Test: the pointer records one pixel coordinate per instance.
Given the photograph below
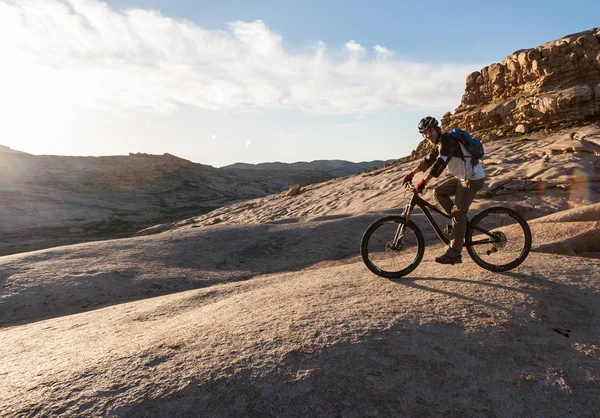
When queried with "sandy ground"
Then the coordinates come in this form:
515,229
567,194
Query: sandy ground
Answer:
270,311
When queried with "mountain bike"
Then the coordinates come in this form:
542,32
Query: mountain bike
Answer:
497,239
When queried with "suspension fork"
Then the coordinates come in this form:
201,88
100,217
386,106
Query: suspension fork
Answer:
401,227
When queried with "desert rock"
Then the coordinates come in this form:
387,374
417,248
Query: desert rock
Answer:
556,81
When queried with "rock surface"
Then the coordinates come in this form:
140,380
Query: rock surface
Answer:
281,318
532,88
517,175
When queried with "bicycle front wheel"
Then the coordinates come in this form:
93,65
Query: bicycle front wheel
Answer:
498,239
387,258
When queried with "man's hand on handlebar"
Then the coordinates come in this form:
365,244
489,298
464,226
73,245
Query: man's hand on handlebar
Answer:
420,186
408,184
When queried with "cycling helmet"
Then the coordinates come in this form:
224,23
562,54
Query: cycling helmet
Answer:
427,123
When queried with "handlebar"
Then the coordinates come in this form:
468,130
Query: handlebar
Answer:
410,186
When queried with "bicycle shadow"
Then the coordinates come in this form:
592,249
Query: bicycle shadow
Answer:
497,361
410,282
533,286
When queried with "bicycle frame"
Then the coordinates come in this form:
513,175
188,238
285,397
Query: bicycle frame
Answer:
425,206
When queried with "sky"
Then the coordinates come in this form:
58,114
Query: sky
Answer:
219,82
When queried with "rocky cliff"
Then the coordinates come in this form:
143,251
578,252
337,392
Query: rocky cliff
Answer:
533,88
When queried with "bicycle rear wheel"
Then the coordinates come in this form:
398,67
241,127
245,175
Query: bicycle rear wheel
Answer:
388,259
498,239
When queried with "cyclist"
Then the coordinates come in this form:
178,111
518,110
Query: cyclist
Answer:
467,180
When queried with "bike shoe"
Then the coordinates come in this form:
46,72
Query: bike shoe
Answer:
446,259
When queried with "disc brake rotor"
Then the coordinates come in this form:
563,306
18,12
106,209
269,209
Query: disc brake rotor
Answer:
501,241
391,247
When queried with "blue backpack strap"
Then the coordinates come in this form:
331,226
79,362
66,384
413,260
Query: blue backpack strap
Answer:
474,146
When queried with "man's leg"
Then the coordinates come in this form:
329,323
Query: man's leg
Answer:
443,192
465,193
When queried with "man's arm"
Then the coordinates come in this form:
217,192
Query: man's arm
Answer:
446,152
428,161
424,164
440,163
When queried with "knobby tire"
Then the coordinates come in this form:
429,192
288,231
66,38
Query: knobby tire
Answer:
384,261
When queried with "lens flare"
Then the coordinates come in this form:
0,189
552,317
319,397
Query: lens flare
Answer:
580,190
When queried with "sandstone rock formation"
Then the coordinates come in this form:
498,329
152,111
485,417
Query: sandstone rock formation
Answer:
557,81
517,176
6,149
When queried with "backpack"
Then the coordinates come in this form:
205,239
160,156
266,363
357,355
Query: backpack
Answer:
473,145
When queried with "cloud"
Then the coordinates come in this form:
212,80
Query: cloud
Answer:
248,143
84,53
382,52
355,50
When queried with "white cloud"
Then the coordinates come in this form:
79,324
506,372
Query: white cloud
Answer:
382,52
248,143
355,50
213,137
83,53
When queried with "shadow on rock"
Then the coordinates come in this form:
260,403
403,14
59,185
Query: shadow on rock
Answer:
411,368
87,276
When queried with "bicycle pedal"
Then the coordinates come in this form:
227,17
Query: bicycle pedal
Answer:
491,251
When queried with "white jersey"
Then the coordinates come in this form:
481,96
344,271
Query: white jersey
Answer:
462,168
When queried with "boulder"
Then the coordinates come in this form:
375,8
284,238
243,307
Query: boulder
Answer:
533,54
472,78
523,59
293,191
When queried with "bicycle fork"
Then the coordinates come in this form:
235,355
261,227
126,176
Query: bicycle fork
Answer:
402,226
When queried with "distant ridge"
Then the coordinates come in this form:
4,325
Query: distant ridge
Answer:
4,148
336,168
57,200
